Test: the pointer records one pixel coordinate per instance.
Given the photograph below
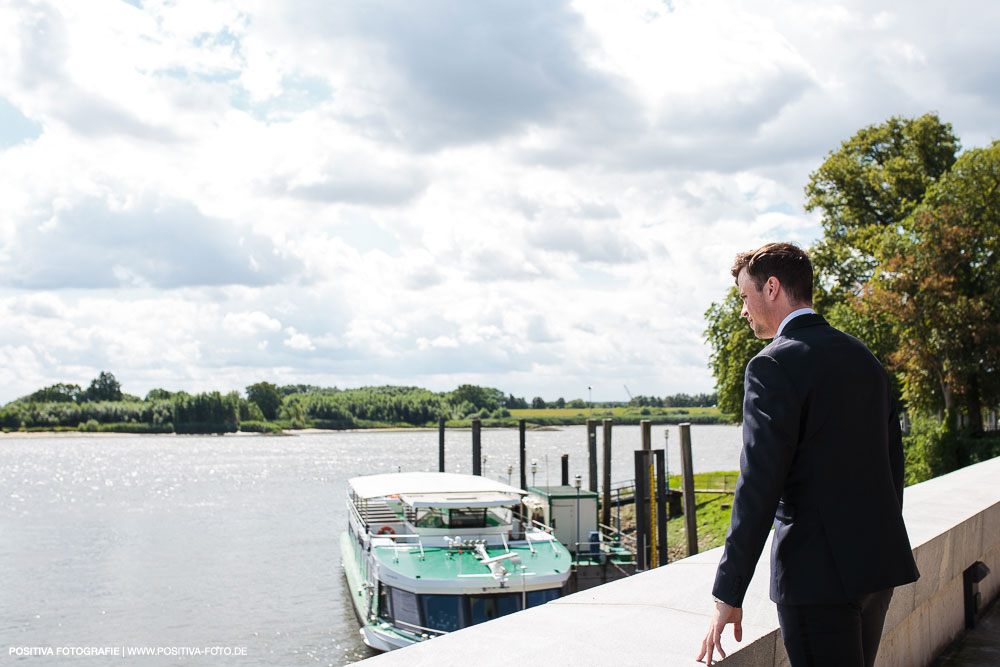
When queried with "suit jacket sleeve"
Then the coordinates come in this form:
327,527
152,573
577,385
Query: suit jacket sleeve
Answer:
771,415
896,459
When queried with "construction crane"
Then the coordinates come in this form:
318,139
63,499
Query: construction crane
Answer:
628,392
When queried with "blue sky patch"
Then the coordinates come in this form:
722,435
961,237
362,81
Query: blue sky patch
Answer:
15,127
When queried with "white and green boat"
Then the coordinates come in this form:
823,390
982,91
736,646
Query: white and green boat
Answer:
426,554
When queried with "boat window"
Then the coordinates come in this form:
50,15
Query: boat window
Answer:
499,516
442,612
430,517
383,601
467,518
536,598
404,606
487,607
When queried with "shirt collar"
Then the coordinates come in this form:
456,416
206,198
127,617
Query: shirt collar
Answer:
792,315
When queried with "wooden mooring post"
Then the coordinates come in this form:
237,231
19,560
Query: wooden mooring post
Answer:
641,495
606,481
662,513
440,444
477,446
564,480
650,509
592,454
687,486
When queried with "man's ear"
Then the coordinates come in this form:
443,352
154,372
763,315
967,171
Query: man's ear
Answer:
771,288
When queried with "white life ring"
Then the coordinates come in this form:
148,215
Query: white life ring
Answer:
386,530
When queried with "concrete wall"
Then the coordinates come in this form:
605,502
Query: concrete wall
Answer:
659,617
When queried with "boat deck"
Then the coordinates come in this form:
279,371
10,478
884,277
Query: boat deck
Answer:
462,564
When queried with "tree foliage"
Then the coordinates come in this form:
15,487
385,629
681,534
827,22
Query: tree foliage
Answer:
267,397
57,393
688,401
733,345
868,187
103,388
939,284
158,395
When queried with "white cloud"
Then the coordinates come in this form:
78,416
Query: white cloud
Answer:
249,323
298,341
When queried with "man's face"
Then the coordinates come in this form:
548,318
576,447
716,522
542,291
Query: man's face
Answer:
756,308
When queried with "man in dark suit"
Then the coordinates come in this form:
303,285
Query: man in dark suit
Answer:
823,460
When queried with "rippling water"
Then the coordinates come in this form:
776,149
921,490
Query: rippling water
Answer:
224,541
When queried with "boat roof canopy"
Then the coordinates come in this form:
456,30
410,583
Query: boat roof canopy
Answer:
437,489
482,499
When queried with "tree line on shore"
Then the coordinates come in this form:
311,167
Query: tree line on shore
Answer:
909,262
267,407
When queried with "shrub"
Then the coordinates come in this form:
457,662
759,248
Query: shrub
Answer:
255,426
90,425
134,427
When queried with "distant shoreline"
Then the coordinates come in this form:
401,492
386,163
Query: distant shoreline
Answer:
22,435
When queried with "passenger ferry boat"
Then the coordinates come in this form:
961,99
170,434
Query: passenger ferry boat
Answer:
427,553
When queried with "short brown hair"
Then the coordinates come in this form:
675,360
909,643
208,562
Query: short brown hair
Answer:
785,261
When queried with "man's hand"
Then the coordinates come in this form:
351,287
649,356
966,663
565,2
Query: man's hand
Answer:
724,614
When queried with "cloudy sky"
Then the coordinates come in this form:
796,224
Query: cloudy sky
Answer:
538,196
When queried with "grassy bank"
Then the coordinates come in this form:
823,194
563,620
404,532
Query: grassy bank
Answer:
713,510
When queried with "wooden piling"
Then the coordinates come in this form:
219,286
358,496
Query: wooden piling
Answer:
642,543
606,481
440,444
565,470
661,504
477,446
521,429
647,437
592,454
687,483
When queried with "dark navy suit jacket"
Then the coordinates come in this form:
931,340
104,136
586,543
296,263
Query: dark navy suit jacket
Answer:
823,460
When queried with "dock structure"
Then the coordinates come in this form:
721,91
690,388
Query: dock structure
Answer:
660,616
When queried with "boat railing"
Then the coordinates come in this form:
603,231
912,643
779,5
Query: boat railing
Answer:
540,526
420,628
551,541
353,509
611,534
403,536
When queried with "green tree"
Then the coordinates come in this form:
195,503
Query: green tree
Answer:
733,345
538,403
158,395
513,402
480,397
57,393
102,388
939,283
267,397
867,188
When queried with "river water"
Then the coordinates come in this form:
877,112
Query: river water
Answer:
224,544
